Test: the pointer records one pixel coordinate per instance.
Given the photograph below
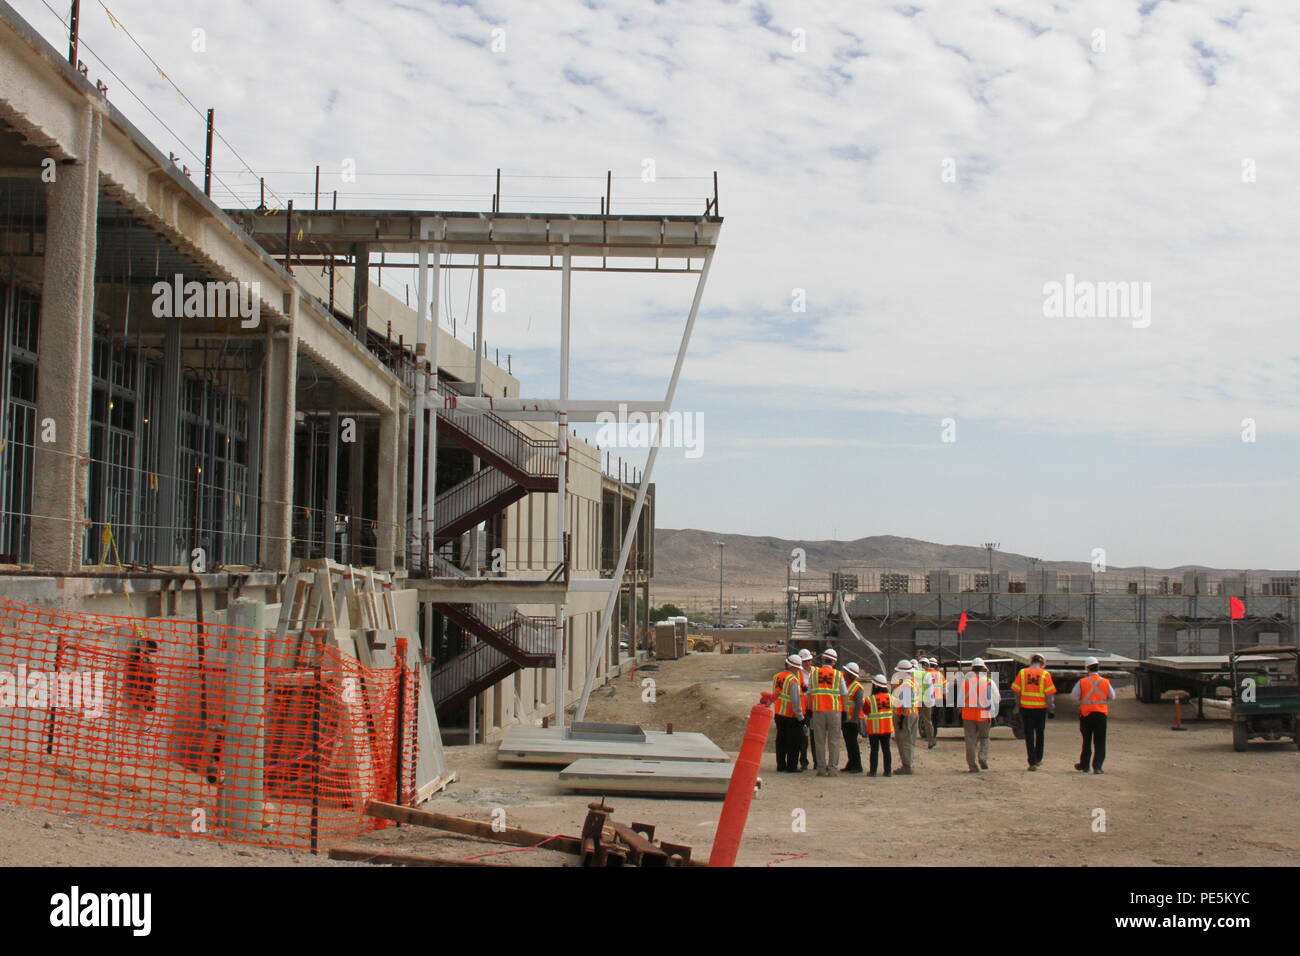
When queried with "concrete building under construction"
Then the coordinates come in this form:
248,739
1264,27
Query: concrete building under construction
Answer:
1136,615
225,394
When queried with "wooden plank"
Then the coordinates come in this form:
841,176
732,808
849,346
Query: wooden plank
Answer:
385,858
474,828
434,785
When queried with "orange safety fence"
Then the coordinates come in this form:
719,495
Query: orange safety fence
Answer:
169,726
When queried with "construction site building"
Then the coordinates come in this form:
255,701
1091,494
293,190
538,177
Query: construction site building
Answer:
225,393
1135,615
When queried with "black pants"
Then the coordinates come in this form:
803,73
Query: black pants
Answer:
1034,720
789,735
880,742
1093,728
850,728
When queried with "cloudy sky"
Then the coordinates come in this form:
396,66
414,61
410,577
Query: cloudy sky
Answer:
916,175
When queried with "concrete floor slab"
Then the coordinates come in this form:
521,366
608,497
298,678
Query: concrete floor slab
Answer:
544,745
670,778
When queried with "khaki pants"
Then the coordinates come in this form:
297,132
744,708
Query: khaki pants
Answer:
927,723
977,742
905,735
827,734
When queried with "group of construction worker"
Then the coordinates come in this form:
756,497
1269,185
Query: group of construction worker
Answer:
819,703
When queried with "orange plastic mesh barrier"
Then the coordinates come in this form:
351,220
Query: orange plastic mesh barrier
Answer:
168,726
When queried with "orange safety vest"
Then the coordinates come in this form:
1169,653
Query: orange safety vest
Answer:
1094,692
975,691
848,701
826,693
880,719
1033,684
804,684
781,686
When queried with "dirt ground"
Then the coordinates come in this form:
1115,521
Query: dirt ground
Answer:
30,837
1166,799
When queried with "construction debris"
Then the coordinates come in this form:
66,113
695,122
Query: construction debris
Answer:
606,842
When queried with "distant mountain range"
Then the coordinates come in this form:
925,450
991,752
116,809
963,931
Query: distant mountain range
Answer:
686,560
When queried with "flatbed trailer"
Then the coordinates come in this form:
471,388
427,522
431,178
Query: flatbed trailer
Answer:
1197,675
1066,664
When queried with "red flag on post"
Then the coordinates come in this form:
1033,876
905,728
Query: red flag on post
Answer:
1236,608
962,621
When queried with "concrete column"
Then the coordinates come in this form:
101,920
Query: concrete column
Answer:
167,549
361,290
403,469
390,532
332,481
281,412
356,491
256,384
66,337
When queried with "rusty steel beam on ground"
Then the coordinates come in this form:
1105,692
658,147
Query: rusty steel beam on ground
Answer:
475,828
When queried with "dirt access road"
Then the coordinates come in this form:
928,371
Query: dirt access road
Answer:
1167,798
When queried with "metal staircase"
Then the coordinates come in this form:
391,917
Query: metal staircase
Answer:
533,463
514,465
509,641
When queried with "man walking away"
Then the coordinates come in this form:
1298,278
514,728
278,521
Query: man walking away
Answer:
979,705
906,707
1094,693
855,704
880,721
805,737
828,694
787,686
1036,696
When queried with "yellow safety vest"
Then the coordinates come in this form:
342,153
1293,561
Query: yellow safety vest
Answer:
848,701
880,718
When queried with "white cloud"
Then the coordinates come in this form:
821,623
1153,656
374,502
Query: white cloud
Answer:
924,297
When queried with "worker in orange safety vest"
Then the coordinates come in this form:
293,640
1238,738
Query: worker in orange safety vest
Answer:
979,706
827,694
806,668
907,706
851,723
879,720
1094,694
1036,695
788,688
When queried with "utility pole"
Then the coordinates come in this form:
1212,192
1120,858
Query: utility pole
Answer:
721,545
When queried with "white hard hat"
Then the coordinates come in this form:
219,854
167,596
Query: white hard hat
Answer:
792,659
880,680
805,654
852,668
1091,662
930,660
915,662
904,666
978,662
831,653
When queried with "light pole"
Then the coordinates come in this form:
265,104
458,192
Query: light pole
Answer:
990,547
721,545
